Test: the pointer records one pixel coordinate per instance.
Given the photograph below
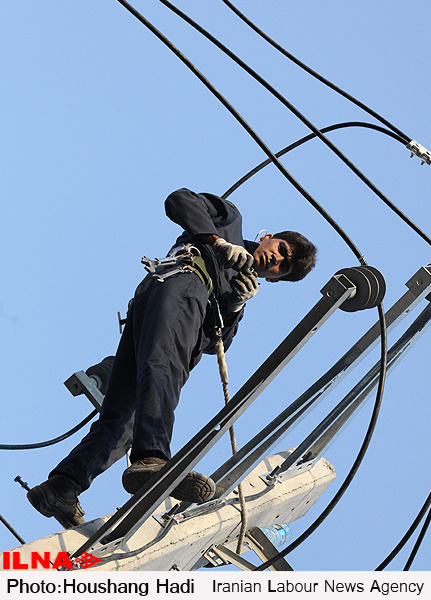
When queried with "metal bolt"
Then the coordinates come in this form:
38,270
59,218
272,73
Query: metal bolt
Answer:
22,483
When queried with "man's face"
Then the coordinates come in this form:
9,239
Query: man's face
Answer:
272,258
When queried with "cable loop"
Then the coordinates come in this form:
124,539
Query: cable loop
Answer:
53,441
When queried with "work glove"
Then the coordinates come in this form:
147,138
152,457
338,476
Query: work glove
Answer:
231,256
244,286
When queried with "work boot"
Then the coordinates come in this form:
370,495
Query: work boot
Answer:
195,487
57,498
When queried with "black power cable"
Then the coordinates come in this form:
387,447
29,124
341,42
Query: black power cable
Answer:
298,114
370,111
246,126
358,460
407,536
53,441
418,542
305,139
12,530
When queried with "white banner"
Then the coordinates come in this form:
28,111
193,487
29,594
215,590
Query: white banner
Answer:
215,585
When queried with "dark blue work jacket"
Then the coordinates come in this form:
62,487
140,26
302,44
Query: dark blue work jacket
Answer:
208,214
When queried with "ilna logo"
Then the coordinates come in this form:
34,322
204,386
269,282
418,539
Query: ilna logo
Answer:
62,561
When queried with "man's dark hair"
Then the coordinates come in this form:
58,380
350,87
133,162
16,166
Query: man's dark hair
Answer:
304,254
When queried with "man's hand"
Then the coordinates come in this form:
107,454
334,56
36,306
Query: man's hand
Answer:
244,286
231,256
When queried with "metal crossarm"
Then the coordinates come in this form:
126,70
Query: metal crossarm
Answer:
123,524
256,541
326,432
238,466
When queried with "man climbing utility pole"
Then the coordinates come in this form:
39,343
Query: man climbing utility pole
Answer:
170,323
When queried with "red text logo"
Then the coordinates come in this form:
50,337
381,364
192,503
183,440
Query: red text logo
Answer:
60,561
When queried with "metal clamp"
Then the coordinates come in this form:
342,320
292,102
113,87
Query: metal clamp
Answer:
179,257
420,151
299,467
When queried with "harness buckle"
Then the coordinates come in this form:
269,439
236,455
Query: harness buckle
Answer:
178,256
182,258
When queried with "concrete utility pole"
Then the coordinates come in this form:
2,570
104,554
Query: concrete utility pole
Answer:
150,533
204,535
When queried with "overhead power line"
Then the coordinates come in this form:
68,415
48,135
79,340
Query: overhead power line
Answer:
418,542
407,536
405,138
299,115
247,127
305,139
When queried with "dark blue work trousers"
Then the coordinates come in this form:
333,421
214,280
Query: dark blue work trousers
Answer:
162,341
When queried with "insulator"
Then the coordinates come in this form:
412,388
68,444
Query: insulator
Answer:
370,288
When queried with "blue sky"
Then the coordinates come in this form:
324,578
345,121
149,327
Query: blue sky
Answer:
100,122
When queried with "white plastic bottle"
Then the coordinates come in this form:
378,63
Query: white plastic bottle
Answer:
278,534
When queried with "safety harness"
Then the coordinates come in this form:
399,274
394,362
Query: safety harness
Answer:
182,259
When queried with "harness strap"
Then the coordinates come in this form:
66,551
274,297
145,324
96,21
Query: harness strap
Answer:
199,267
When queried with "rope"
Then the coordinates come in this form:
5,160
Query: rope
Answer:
224,377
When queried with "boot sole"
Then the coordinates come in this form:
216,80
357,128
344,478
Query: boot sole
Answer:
134,477
195,487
